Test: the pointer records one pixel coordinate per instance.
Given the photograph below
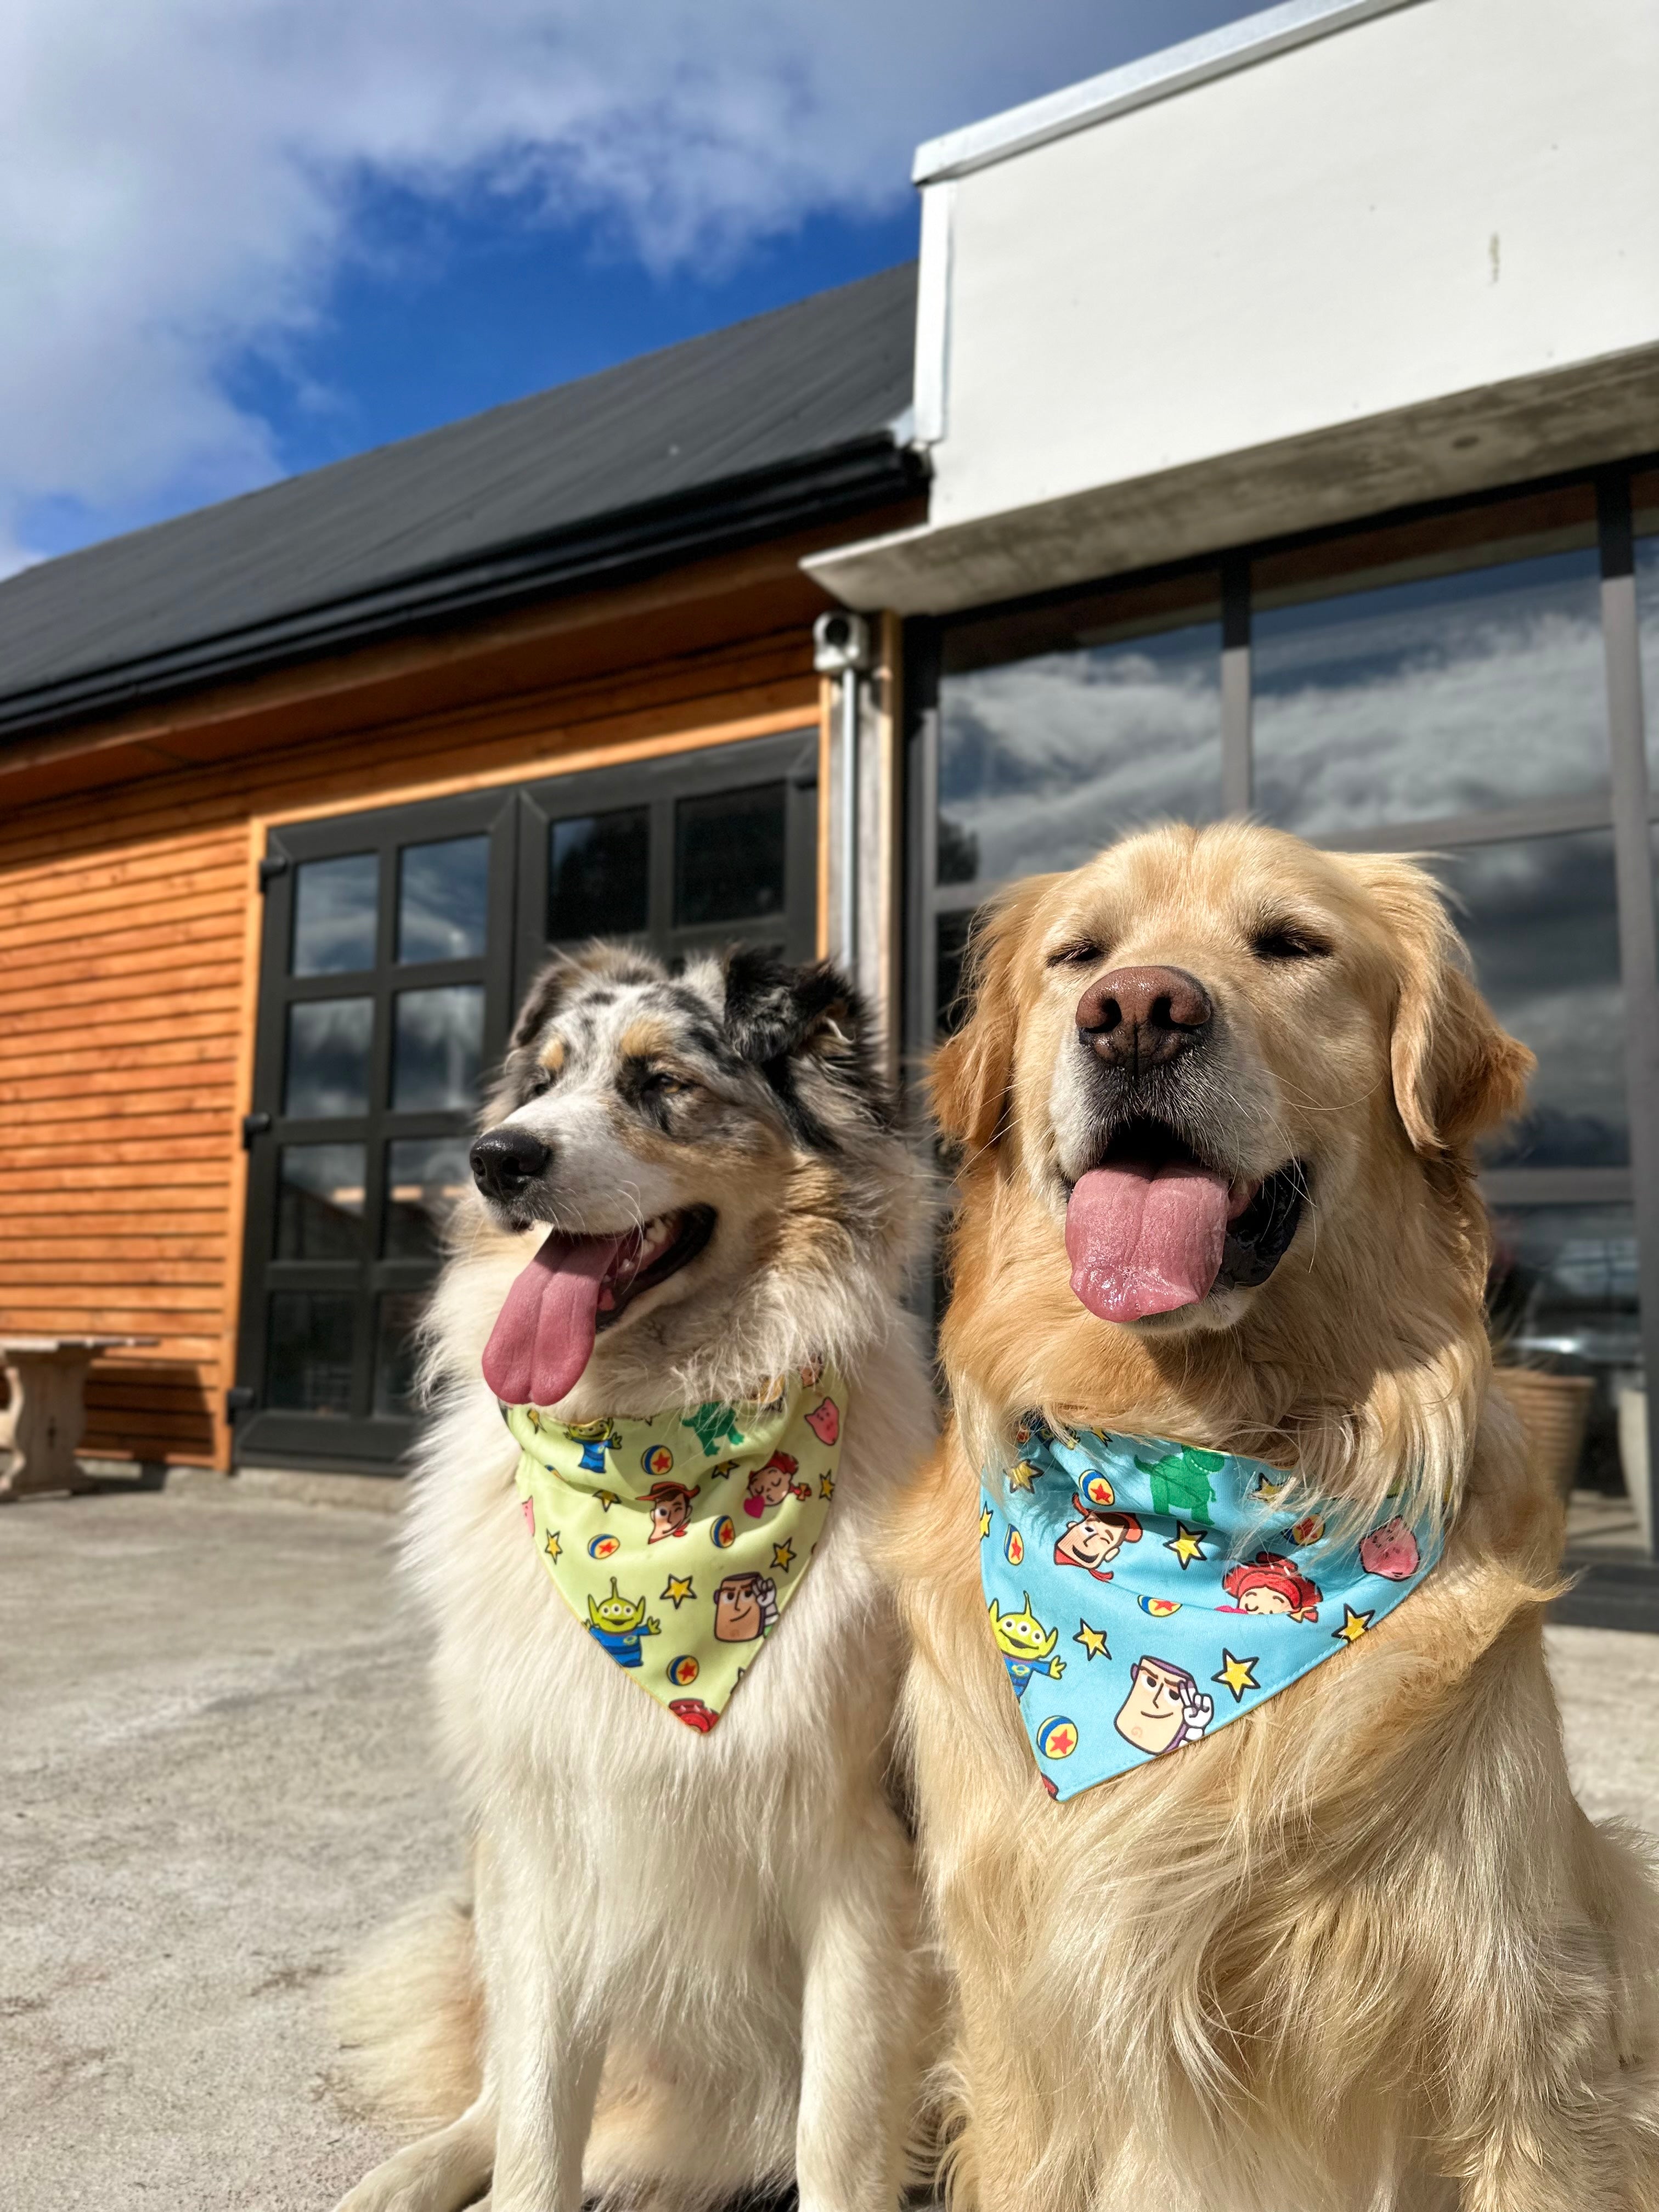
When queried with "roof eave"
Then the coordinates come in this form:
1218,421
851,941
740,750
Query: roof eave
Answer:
612,549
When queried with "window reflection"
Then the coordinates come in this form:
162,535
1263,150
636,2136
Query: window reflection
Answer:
335,908
437,1042
320,1202
1439,697
1044,760
443,900
424,1177
1563,1301
325,1072
599,874
730,856
1540,918
308,1352
397,1352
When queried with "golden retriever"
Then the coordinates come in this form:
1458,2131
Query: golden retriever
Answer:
1360,1949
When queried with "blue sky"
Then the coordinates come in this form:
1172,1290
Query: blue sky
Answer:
246,240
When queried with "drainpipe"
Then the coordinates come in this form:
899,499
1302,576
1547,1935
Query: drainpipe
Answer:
840,648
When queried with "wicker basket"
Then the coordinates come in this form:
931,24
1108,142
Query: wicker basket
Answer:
1554,1411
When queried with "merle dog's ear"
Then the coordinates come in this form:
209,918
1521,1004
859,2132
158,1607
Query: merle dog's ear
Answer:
796,1022
547,994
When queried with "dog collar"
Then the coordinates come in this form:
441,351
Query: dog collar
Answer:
1194,1601
678,1540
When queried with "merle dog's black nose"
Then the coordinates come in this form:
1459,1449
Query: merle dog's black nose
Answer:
505,1160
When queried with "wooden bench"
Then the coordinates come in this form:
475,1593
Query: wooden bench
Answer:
42,1424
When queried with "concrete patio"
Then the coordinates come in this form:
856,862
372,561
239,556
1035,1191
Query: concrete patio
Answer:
216,1780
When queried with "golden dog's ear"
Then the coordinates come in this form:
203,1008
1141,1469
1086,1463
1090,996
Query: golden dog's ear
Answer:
1457,1072
971,1073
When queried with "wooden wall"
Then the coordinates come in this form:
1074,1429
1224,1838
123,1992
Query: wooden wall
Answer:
129,941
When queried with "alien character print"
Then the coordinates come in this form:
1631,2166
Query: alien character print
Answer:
678,1540
1141,1594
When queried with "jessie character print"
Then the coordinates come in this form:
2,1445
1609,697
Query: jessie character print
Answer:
1095,1539
745,1606
1271,1583
1164,1708
671,1509
771,1484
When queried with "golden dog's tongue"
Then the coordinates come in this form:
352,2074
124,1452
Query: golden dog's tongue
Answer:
1144,1240
544,1334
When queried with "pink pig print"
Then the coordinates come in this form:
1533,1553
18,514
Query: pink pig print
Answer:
824,1420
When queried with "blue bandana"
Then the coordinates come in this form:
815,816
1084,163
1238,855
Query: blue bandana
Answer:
1193,1600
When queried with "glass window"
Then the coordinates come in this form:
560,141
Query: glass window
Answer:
1565,1313
424,1177
437,1041
1046,758
952,946
397,1352
308,1352
443,900
1434,697
325,1070
320,1202
335,908
599,874
730,853
1540,918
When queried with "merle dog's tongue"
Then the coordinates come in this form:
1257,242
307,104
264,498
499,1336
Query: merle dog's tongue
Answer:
1144,1240
544,1334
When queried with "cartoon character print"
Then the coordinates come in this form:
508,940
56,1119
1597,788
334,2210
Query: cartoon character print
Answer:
745,1606
824,1420
1031,1428
771,1484
671,1509
1391,1551
714,1424
1181,1482
1271,1583
1164,1708
1094,1537
694,1713
813,1373
617,1624
1026,1646
596,1438
528,1507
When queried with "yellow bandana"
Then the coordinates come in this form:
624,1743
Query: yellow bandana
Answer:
677,1541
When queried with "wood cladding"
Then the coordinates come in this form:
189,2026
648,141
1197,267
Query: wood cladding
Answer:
129,935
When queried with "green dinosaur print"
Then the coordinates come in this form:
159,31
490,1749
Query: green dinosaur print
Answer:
1181,1482
713,1422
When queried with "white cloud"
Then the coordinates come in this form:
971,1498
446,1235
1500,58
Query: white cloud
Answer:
178,176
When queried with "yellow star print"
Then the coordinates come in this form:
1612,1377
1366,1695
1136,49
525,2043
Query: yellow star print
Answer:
1185,1544
679,1589
1093,1640
551,1547
1354,1626
606,1498
1270,1492
826,1486
783,1555
984,1522
720,1469
1021,1474
1237,1674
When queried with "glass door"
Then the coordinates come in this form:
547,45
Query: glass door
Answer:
396,947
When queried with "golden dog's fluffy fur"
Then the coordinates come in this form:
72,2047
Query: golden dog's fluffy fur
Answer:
1361,1948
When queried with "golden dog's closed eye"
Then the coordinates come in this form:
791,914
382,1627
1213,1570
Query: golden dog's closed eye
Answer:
1285,940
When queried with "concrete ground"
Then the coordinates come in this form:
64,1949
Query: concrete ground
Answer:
215,1780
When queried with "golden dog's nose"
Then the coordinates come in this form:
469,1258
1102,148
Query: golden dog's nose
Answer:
1139,1017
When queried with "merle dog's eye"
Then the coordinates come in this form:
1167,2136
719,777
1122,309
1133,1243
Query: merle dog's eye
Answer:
1082,954
660,1084
541,1080
1288,940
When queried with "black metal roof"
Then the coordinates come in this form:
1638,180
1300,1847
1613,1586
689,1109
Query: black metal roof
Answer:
773,424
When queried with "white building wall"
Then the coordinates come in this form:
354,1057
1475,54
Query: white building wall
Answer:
1435,230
